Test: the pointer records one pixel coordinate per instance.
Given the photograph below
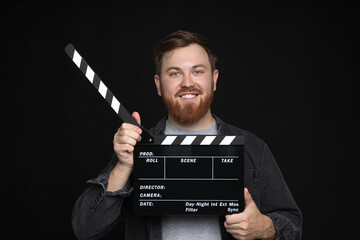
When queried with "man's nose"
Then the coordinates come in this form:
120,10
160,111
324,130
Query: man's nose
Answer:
187,81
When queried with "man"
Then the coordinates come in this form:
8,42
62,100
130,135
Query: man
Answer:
186,78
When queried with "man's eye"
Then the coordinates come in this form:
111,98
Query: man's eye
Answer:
175,74
197,72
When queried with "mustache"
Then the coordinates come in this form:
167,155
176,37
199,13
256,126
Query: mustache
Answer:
188,90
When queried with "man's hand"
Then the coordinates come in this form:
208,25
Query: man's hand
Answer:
124,142
250,224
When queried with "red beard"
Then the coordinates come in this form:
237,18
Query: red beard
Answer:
188,113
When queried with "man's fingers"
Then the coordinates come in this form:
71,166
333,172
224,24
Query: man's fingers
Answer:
125,139
239,230
136,115
130,130
121,148
244,225
130,126
123,135
247,197
233,218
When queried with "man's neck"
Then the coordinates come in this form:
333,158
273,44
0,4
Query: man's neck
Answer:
204,122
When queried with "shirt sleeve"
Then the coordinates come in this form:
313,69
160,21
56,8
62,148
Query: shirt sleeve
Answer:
97,211
276,199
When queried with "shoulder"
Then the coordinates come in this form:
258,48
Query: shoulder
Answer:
228,129
254,146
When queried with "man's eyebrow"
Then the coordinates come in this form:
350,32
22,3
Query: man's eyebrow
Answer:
179,69
172,68
199,65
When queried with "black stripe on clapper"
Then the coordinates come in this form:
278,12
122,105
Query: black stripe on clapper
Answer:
239,140
83,66
198,140
127,117
69,49
217,140
179,140
109,96
96,82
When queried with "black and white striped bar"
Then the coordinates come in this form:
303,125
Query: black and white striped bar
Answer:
93,77
104,90
199,140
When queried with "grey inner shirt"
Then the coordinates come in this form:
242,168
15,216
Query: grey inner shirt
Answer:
190,227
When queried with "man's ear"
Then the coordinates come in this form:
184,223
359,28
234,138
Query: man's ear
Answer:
215,78
158,84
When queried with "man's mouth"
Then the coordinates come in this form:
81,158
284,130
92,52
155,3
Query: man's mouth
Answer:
189,95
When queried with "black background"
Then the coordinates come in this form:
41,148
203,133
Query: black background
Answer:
287,74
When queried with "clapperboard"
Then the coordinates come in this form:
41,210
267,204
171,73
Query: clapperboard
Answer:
177,175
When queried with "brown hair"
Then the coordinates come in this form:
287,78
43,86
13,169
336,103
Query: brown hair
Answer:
182,39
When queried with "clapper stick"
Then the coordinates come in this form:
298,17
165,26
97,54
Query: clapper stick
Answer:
105,92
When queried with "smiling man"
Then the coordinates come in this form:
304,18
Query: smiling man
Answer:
186,78
187,86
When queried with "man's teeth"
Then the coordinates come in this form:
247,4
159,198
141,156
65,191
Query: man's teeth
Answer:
188,96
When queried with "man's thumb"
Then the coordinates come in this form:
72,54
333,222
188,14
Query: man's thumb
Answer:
136,115
247,197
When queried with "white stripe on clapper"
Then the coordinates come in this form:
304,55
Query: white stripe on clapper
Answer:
77,58
188,140
102,89
115,104
90,74
207,140
168,140
227,140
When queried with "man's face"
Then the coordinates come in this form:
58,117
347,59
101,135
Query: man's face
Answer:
187,83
